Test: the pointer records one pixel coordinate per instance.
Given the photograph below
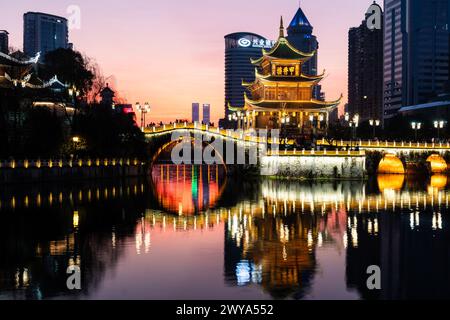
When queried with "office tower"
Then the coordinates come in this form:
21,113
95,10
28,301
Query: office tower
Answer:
195,112
206,114
416,52
299,34
365,72
4,41
44,33
240,48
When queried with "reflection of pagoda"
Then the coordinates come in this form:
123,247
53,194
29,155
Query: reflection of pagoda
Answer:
282,95
277,253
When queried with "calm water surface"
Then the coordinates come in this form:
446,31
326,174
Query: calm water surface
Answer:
191,233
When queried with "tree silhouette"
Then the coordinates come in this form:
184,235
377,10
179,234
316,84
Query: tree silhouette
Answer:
70,67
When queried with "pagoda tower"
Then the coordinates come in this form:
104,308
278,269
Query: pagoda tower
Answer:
282,95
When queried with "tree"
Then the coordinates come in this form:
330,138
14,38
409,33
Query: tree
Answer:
98,80
70,67
109,134
43,133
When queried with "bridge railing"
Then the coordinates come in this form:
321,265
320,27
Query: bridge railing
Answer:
321,153
67,163
243,135
387,144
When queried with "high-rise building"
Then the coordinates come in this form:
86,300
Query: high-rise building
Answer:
416,52
365,72
300,35
195,112
206,114
240,48
44,33
4,41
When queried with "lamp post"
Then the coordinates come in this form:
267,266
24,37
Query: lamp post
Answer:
374,124
353,124
439,125
144,109
416,126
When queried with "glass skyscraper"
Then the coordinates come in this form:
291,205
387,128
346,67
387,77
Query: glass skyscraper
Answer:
44,33
240,48
416,52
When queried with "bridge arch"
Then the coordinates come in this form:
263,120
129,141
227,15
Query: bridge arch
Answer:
391,164
437,163
170,144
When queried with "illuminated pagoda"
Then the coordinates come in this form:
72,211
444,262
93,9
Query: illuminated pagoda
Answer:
282,95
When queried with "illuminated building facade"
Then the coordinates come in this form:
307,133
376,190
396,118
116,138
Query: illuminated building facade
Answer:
282,94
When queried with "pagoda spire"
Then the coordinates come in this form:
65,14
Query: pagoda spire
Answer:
281,28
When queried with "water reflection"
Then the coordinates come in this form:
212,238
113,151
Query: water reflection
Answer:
187,189
233,238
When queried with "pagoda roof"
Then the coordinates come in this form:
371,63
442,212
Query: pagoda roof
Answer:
7,60
107,90
270,78
289,105
283,50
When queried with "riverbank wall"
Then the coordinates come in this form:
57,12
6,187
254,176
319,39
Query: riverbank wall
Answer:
26,171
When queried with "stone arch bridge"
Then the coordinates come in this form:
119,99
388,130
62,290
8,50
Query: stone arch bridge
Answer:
334,159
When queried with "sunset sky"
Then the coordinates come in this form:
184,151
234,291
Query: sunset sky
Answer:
171,53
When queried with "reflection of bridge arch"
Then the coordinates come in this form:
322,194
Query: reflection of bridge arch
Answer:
391,164
187,189
390,182
437,163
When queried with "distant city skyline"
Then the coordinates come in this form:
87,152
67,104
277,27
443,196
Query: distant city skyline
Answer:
145,70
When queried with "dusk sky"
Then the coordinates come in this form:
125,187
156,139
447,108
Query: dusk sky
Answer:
171,53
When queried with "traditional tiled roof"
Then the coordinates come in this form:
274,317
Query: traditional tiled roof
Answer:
284,50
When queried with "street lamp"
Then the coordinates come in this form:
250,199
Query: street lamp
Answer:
416,126
439,125
374,124
144,109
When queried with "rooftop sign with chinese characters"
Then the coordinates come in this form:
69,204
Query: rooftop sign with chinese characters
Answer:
256,43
